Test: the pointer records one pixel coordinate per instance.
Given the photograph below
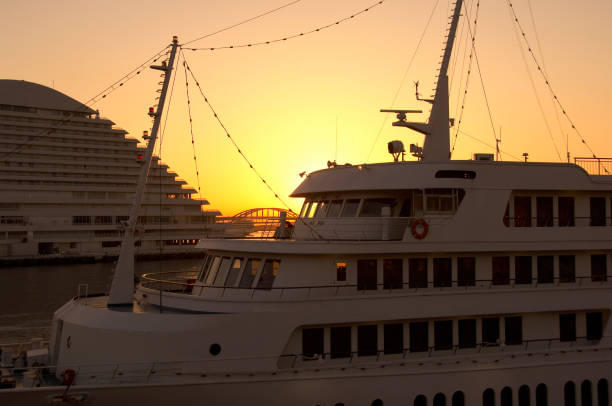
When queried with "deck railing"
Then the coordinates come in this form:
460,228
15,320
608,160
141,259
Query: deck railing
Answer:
595,166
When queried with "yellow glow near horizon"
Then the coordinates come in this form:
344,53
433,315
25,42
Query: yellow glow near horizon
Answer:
281,102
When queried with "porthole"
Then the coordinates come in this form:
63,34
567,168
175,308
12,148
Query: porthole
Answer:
377,402
215,349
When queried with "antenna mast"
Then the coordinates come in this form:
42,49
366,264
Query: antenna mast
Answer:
122,287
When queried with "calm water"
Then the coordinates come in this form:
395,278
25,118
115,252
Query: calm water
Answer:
30,295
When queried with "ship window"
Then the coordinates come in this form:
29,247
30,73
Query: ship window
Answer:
522,211
367,340
232,276
304,208
442,274
488,397
522,269
598,268
406,210
392,273
334,208
567,268
205,267
566,212
366,274
420,400
443,200
490,331
250,270
341,271
467,333
312,209
374,207
268,274
417,273
312,343
439,400
210,277
454,174
443,335
567,327
223,270
104,220
419,337
458,399
340,342
569,394
586,393
506,219
594,322
394,338
466,271
500,270
544,211
514,330
542,395
506,396
598,211
602,392
350,208
524,396
322,209
546,271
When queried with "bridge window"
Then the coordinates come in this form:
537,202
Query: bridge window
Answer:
566,212
322,209
419,336
567,268
514,330
213,270
334,208
350,208
392,273
522,269
598,211
544,211
442,272
205,267
546,269
222,272
250,270
367,340
312,343
366,274
312,209
500,270
490,331
268,274
522,211
341,271
594,322
394,338
466,271
374,207
340,342
467,333
417,273
232,276
567,327
599,268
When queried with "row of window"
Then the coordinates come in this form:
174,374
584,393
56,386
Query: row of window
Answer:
565,207
340,338
527,270
239,272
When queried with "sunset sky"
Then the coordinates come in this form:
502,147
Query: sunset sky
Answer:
289,104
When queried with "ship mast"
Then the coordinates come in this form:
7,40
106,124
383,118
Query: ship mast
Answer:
122,287
437,130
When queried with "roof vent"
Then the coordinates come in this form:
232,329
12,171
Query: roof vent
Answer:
484,157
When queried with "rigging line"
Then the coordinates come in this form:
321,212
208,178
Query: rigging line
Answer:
397,92
548,85
251,166
489,145
244,21
535,91
163,131
292,36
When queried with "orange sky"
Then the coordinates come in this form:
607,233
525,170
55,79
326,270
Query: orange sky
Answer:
281,102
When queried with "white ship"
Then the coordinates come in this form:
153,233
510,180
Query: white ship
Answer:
405,283
68,178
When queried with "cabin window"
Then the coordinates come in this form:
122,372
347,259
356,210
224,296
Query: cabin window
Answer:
500,270
541,395
442,273
514,330
340,342
222,273
455,174
417,273
569,394
392,273
268,274
567,268
205,267
443,335
594,322
350,208
467,333
439,400
322,209
374,207
394,338
506,396
406,209
544,211
567,327
334,208
250,270
213,270
566,212
367,340
232,276
307,208
312,343
488,397
341,271
524,397
586,393
522,269
522,211
443,200
602,392
546,269
458,399
419,336
599,272
598,211
366,274
466,271
312,210
490,331
420,400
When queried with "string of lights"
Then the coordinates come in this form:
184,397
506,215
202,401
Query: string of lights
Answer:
547,82
289,37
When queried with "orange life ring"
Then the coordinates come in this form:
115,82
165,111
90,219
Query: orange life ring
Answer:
68,377
419,229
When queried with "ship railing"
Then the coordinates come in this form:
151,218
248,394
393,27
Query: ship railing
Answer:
182,282
553,223
595,166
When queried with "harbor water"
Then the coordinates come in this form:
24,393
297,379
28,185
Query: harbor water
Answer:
30,294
